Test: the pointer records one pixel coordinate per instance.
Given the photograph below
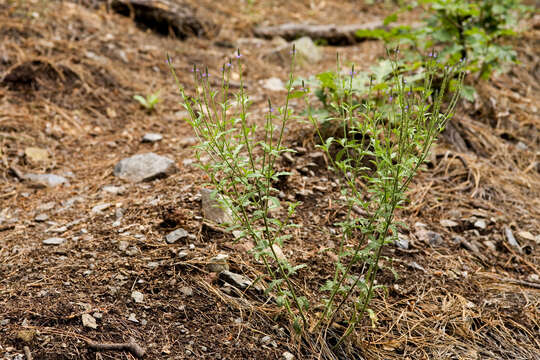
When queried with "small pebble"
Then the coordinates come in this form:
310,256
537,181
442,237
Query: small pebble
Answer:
480,224
137,296
41,218
288,356
152,137
54,241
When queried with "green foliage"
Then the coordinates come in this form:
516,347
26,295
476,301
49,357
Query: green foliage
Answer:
243,168
387,136
462,29
476,32
472,30
149,102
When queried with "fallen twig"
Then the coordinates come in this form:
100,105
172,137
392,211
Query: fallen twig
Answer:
333,34
7,227
215,227
131,346
521,282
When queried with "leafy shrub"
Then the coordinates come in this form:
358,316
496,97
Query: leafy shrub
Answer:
394,131
472,30
386,137
460,30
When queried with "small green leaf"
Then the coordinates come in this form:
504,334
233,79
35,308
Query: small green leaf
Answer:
467,92
390,19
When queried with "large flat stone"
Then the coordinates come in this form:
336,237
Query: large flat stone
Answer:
144,167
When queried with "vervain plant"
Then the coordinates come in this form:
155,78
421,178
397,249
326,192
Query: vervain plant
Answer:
243,168
380,151
377,157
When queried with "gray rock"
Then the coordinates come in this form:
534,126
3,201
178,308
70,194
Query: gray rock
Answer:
480,224
123,245
46,180
490,245
54,241
265,339
417,266
448,223
100,207
133,318
287,355
144,167
70,202
152,137
430,237
188,141
239,281
89,321
137,296
186,291
521,146
279,253
176,235
511,239
273,84
469,245
307,51
47,206
402,242
132,251
119,213
115,190
218,263
213,210
97,315
58,230
41,217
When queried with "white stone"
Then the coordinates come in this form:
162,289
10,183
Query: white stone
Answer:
448,223
89,321
54,241
144,167
137,296
288,356
306,50
152,137
273,84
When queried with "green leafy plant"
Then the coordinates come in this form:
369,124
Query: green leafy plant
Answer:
475,31
243,168
149,102
380,151
472,30
386,138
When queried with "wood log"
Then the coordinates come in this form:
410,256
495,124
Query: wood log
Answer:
166,17
332,34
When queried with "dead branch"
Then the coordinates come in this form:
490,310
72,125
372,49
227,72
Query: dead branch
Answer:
521,282
333,34
131,346
167,17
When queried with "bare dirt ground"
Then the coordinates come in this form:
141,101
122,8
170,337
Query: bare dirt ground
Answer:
68,74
